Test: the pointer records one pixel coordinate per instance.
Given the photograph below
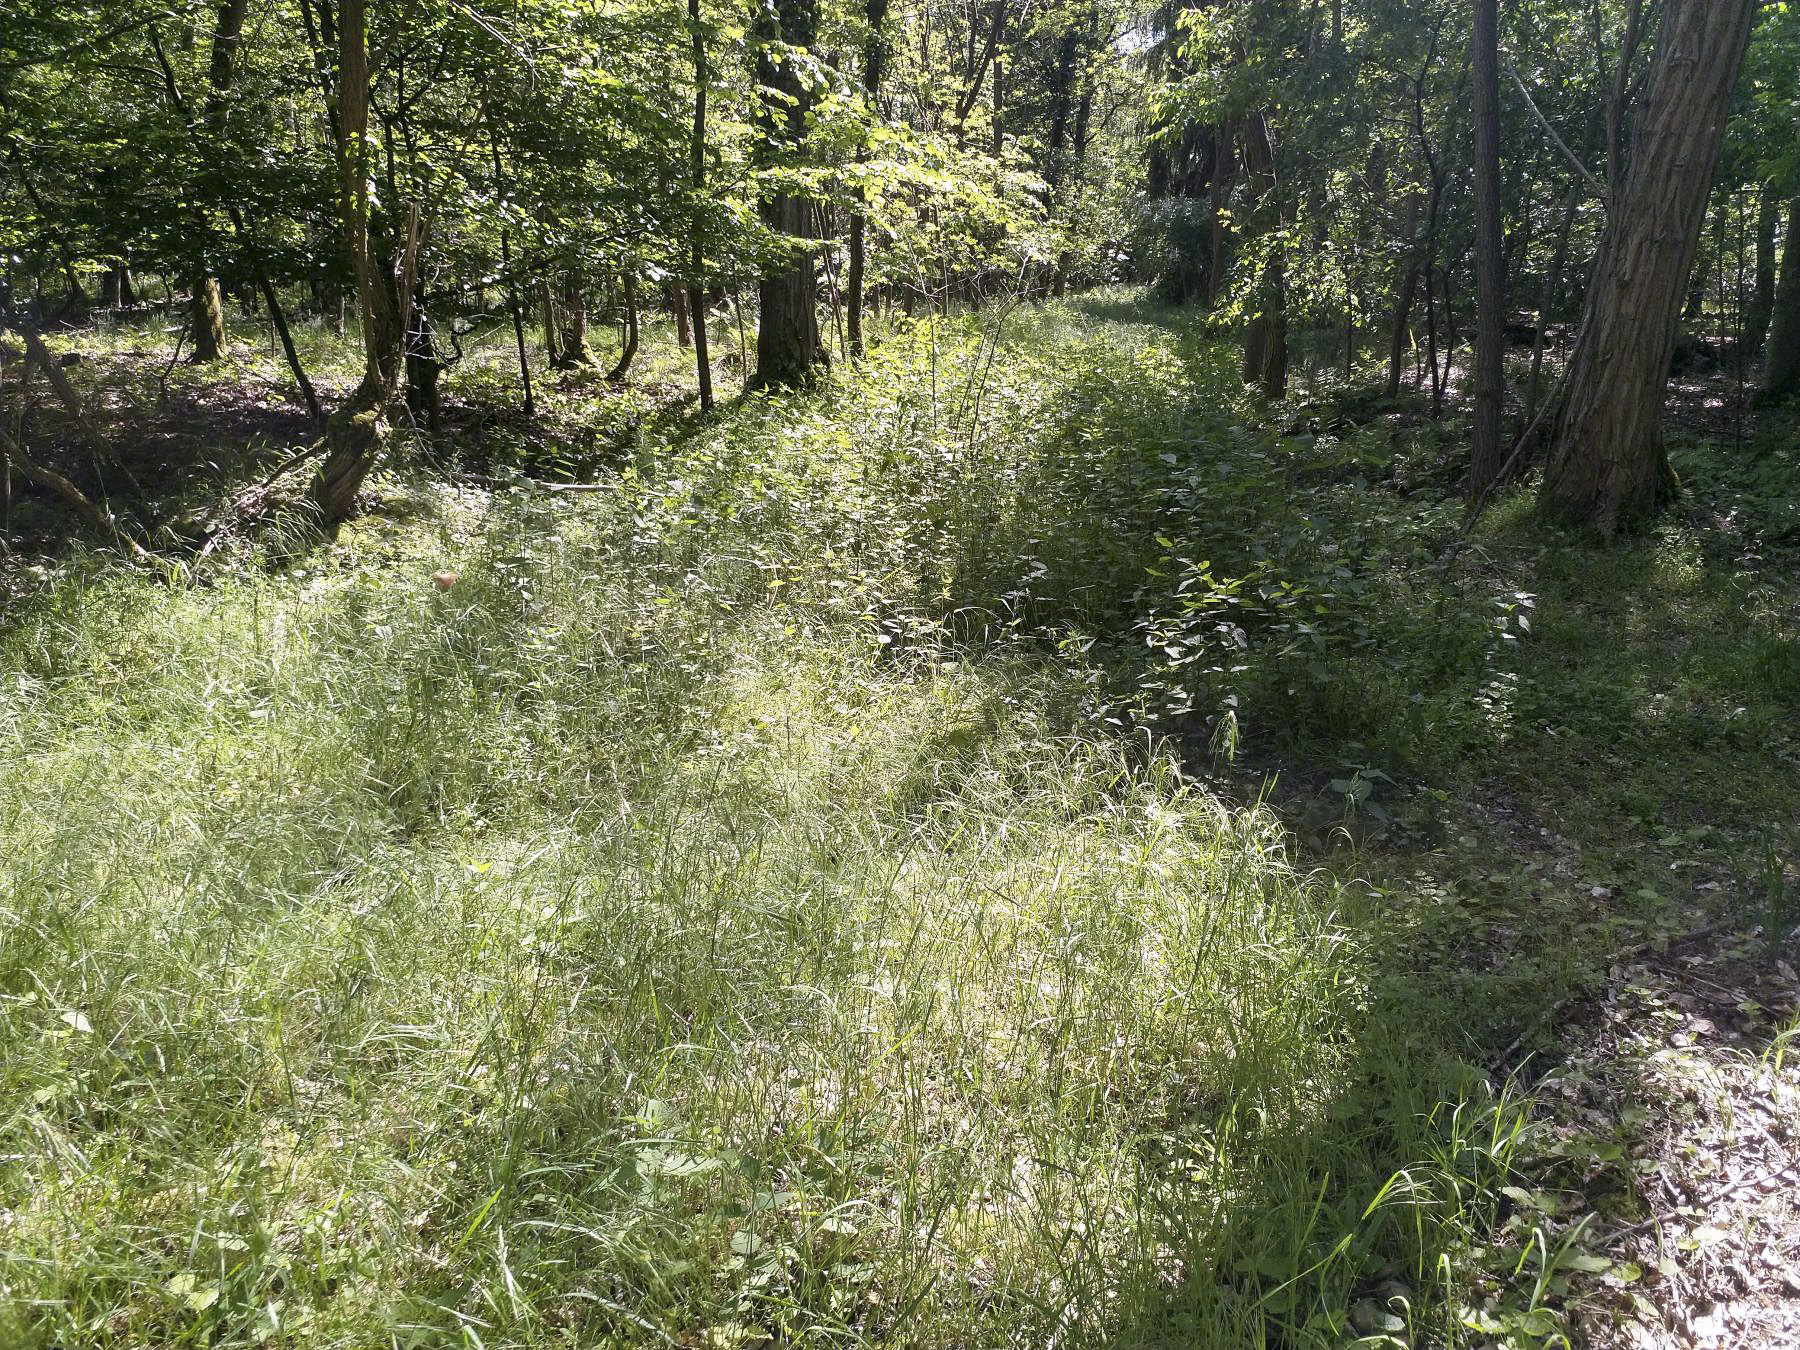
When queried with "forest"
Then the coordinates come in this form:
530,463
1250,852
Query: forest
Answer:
899,673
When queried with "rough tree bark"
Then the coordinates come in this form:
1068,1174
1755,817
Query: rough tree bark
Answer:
1488,457
1607,466
119,292
788,344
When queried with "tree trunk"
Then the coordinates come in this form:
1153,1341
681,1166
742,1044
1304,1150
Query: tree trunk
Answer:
1547,298
208,313
1490,263
1265,340
628,352
1781,372
116,288
697,159
553,356
678,306
1762,298
358,430
788,345
575,351
874,54
1404,291
279,319
423,368
1607,465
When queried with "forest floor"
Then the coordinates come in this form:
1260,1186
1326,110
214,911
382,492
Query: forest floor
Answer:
1024,845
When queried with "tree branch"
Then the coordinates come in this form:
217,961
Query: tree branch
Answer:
1568,154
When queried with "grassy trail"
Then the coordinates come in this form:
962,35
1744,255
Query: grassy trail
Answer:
795,894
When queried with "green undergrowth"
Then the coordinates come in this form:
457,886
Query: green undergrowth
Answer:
782,897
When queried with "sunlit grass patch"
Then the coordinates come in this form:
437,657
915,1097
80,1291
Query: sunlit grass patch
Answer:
728,913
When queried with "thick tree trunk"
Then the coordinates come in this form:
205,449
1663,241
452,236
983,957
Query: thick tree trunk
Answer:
1781,372
1607,465
678,307
788,345
1487,456
208,312
116,290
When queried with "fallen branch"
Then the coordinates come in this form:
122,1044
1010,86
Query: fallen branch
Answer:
255,497
483,480
1587,175
571,487
94,513
36,352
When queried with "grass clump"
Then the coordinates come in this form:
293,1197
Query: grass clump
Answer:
727,915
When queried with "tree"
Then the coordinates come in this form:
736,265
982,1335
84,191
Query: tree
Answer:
874,57
1607,465
1781,372
788,345
1761,308
1490,262
359,429
209,315
1265,339
696,305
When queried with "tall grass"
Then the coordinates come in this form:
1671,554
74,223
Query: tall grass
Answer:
703,925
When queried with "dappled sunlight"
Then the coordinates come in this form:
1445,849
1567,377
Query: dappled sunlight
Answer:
1001,836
